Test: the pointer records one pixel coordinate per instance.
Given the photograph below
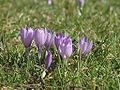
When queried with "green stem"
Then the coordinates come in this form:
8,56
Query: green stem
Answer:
79,61
27,51
39,55
28,63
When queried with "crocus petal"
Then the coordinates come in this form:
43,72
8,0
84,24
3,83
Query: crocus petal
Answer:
61,50
68,50
81,2
84,48
49,2
48,60
49,41
23,35
57,39
29,36
45,34
80,44
85,39
89,47
69,47
40,37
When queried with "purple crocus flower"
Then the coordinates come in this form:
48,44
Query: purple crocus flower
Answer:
49,2
48,60
40,39
85,46
65,48
80,2
49,40
26,35
58,39
64,45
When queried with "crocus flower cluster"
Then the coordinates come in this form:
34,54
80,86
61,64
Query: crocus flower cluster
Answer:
64,45
44,38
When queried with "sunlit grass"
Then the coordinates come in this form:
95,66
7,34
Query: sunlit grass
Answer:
99,21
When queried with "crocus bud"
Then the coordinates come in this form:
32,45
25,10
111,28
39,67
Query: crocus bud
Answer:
58,39
65,48
40,38
48,60
85,46
26,35
49,2
49,40
80,2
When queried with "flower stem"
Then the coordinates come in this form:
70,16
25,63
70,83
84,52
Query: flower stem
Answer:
39,55
79,11
79,61
27,51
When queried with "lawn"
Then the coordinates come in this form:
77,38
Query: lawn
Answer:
99,22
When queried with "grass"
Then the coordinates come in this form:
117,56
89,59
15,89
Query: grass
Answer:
99,21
